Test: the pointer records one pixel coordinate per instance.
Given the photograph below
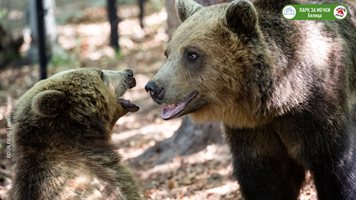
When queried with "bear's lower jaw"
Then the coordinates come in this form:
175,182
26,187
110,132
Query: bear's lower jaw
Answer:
126,104
178,109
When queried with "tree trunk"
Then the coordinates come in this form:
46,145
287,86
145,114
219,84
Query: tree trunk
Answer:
172,18
189,138
50,26
114,23
141,5
41,29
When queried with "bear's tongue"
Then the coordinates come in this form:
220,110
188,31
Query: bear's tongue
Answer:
172,110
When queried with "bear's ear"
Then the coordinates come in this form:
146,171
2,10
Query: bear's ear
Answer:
48,103
241,17
186,8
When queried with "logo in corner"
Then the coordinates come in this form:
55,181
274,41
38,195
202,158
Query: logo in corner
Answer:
340,12
289,12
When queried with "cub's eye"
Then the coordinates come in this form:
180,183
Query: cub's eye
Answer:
101,74
166,53
191,56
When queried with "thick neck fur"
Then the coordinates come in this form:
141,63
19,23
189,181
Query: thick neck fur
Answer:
287,65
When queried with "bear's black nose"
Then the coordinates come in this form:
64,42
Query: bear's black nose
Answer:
129,73
130,78
155,91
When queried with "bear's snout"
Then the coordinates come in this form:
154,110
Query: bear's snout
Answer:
119,81
155,91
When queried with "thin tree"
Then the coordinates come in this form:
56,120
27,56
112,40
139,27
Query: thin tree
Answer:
114,23
42,26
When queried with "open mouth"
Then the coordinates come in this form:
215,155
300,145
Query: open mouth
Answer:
126,104
174,110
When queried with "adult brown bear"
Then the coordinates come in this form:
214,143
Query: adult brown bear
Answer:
285,91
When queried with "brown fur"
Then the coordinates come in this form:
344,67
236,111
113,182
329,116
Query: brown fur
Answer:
285,91
62,130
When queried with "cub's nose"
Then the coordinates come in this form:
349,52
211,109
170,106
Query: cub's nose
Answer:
129,73
155,91
130,78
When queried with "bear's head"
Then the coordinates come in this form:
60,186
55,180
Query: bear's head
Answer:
72,105
212,62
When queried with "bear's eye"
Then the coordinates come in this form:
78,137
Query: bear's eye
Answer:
191,56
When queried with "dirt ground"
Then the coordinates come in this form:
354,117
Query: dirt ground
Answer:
83,43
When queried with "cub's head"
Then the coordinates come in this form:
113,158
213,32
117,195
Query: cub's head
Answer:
210,60
73,104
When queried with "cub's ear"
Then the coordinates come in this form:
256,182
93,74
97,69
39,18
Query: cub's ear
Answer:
186,8
241,17
48,103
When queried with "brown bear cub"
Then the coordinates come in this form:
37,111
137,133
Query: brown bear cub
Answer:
285,91
61,137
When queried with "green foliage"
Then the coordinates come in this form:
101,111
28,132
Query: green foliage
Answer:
66,16
127,1
13,25
97,3
158,4
3,13
118,54
60,57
